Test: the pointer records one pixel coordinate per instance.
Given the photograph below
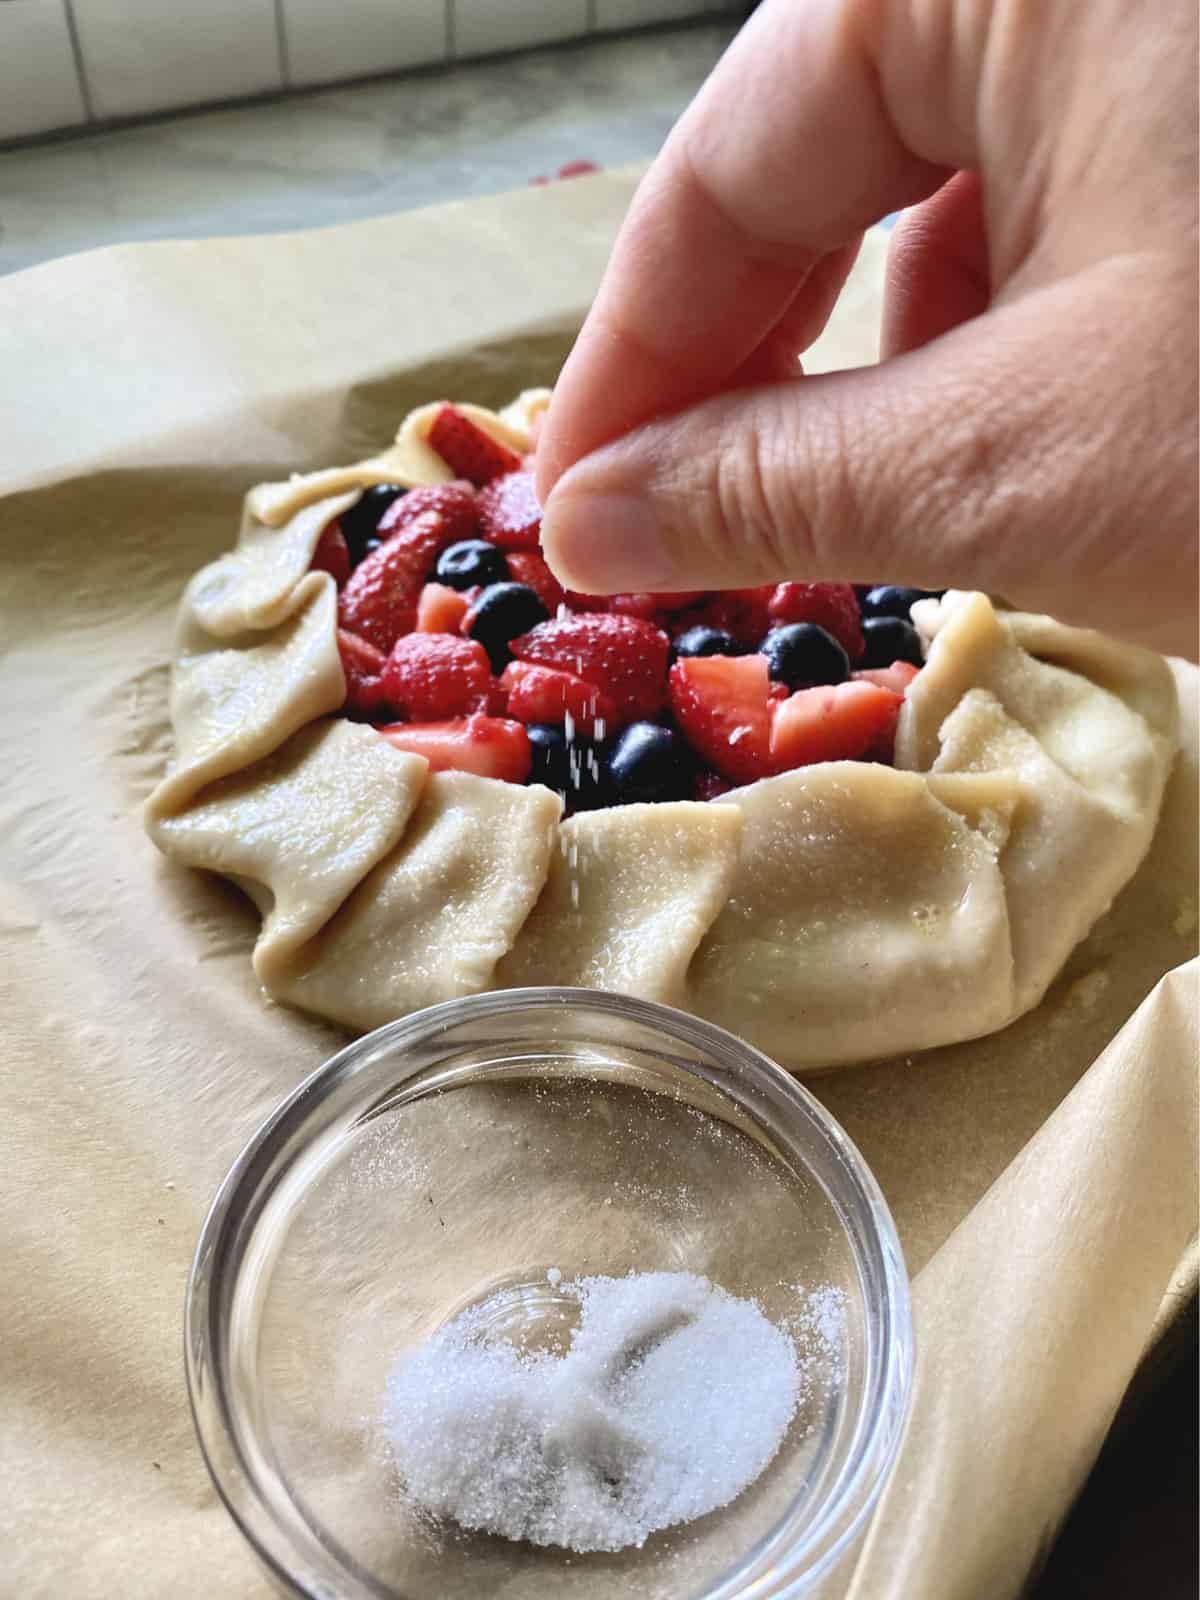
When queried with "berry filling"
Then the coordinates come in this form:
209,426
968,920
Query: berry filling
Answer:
460,645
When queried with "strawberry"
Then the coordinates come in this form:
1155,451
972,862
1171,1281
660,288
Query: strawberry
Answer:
720,703
530,568
652,606
740,612
454,503
468,450
624,656
897,677
431,676
832,606
548,694
380,599
332,555
491,747
441,609
362,665
711,786
576,169
837,722
509,514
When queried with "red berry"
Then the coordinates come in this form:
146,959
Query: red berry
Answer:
362,665
834,722
468,450
509,514
897,677
431,676
624,656
454,503
332,555
380,599
548,694
441,609
652,606
577,169
720,703
491,747
528,567
740,612
832,606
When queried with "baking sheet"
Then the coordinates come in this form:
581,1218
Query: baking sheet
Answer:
1043,1181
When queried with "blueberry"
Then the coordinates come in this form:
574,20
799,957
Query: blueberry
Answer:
646,762
702,641
573,769
802,654
889,639
362,519
891,600
503,611
471,561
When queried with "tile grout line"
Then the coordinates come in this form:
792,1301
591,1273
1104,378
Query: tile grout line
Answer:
281,45
85,88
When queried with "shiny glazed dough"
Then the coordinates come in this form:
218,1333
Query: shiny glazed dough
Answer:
829,915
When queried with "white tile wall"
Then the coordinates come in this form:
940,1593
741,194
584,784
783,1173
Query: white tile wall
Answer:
332,39
484,26
150,55
633,13
39,88
140,56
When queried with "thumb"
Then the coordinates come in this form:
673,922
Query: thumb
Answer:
1016,454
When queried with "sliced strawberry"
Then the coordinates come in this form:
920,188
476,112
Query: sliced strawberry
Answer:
624,656
509,514
720,703
380,599
836,722
711,786
740,612
454,503
440,609
897,677
468,450
332,555
431,676
576,169
362,665
491,747
547,694
528,567
832,606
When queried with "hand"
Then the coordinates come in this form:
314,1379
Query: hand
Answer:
1032,427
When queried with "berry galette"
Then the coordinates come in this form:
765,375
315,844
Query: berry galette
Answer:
841,822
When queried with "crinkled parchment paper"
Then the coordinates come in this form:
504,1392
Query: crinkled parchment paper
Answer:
1043,1180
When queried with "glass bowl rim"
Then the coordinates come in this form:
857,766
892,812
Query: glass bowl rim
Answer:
875,1445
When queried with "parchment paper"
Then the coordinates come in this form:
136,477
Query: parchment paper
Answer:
1046,1203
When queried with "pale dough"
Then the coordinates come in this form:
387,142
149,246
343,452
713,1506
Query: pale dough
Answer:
835,913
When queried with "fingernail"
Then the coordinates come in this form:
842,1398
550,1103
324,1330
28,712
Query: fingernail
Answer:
605,543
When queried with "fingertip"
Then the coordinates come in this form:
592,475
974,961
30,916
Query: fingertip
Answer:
603,542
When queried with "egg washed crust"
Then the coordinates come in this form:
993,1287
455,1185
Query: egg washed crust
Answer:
832,914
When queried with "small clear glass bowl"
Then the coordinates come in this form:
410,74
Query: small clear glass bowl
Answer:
467,1152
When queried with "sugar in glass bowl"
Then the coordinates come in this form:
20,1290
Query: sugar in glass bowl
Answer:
495,1149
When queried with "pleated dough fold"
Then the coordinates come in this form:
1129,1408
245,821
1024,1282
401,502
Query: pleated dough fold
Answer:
836,913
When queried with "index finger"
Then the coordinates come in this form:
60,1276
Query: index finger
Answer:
785,156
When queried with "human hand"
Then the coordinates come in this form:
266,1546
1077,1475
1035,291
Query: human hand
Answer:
1032,427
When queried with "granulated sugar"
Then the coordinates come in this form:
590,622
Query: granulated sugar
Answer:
671,1400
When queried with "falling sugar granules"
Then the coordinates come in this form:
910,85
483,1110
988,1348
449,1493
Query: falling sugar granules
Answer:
671,1400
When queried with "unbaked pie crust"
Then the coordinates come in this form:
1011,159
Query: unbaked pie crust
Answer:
833,914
